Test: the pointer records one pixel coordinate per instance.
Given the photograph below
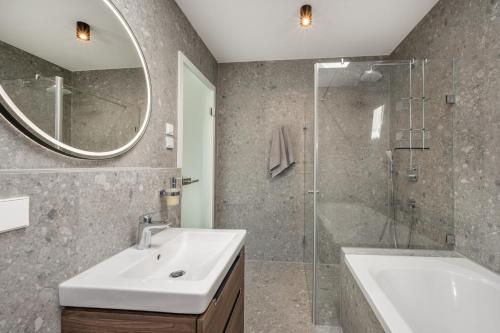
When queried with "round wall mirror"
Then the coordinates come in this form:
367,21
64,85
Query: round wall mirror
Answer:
72,76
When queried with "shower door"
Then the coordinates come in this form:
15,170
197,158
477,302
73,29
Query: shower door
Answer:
352,137
374,180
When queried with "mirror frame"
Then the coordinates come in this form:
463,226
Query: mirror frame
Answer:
17,118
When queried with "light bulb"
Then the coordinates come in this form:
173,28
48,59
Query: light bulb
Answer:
306,16
83,31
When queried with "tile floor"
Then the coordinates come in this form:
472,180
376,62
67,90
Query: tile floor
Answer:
277,299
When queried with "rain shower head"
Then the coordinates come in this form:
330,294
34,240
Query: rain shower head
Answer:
52,90
371,75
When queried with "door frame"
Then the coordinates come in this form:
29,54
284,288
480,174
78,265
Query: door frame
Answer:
182,62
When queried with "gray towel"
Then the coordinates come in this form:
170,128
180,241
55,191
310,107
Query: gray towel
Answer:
281,154
288,146
275,154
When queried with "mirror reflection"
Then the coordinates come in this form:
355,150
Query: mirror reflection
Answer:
73,70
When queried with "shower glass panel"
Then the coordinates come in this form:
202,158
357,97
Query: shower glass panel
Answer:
94,113
88,113
429,221
382,166
32,95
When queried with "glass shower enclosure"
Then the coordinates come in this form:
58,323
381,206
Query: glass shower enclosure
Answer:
382,148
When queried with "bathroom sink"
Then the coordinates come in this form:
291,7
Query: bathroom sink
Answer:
180,273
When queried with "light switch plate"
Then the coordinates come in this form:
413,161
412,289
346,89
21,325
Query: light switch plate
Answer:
169,129
169,142
14,213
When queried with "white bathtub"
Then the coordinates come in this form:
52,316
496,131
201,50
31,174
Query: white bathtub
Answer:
429,294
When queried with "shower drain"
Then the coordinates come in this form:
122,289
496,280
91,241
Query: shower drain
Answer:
177,274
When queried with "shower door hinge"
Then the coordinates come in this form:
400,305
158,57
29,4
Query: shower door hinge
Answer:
451,99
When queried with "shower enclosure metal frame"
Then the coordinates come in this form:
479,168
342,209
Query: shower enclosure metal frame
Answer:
59,109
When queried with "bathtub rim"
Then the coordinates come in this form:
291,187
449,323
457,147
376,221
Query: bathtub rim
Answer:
398,324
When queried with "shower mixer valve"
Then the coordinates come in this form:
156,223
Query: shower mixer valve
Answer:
412,174
412,203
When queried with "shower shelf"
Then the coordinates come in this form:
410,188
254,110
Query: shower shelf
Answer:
420,138
416,99
415,130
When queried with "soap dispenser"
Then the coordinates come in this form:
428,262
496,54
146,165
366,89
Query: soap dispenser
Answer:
171,195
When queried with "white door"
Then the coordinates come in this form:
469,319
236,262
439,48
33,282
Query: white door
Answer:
196,150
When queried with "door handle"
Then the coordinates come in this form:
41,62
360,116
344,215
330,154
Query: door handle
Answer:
188,181
312,192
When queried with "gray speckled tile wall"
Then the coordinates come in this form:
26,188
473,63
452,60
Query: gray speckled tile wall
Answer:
469,30
433,192
85,211
101,97
356,314
253,100
77,219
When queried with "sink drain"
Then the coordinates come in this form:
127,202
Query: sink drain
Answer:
177,274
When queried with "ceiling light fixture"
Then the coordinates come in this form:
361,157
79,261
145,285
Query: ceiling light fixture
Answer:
306,16
83,31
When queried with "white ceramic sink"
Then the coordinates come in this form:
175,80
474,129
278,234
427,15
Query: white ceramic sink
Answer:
140,279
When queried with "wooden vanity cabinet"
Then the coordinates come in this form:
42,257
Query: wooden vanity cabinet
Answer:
225,313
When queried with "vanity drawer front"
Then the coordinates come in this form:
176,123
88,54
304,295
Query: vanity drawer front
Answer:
236,322
216,318
75,320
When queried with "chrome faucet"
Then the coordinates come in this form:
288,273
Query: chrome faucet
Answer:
144,231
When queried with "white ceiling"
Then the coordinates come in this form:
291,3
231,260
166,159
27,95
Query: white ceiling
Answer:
252,30
47,29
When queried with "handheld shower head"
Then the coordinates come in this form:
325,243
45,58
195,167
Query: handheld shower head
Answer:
388,153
